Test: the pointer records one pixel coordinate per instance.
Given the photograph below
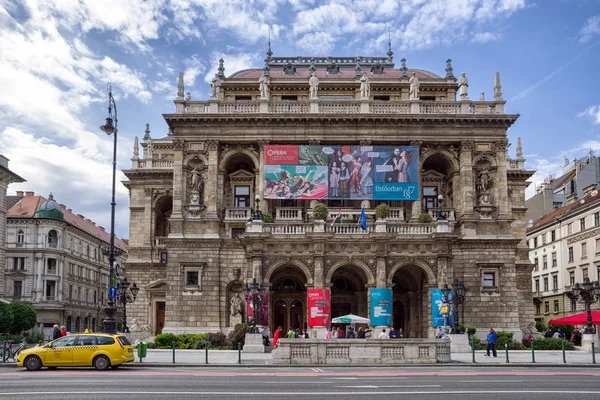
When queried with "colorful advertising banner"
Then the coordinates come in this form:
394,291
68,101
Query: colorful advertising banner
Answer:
319,307
438,316
264,312
350,172
381,307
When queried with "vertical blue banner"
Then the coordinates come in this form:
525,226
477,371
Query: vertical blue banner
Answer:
437,302
381,307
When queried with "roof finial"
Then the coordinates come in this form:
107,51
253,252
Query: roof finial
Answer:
497,86
136,148
269,52
147,132
180,88
357,68
312,67
449,69
519,148
390,53
403,68
221,69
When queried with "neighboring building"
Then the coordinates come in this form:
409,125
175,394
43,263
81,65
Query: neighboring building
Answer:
55,261
417,149
554,193
6,178
565,248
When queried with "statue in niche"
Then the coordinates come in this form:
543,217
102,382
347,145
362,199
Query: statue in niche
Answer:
484,183
235,305
314,86
365,86
263,84
196,182
414,87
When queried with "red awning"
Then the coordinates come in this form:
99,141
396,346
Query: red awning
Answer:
577,319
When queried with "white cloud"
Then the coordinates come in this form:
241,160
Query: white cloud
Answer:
193,68
76,180
484,37
590,29
232,63
593,112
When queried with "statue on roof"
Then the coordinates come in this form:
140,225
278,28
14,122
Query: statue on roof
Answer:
482,96
314,86
215,87
463,86
365,86
188,97
263,85
414,87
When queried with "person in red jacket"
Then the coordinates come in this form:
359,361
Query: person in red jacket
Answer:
277,335
63,331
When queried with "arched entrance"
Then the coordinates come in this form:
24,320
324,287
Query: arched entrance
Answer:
348,291
288,298
411,301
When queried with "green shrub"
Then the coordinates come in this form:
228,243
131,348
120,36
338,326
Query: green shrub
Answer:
164,340
217,340
6,317
507,337
540,326
320,212
552,344
238,335
424,218
382,211
471,331
474,340
24,317
34,336
268,218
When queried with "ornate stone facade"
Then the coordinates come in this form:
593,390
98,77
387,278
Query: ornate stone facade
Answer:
191,251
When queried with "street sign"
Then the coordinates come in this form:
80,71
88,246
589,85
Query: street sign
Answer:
112,292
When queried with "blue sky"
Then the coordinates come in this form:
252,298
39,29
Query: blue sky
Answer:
56,58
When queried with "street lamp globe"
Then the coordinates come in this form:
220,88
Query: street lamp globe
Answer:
108,127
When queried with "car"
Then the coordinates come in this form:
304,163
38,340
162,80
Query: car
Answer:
98,350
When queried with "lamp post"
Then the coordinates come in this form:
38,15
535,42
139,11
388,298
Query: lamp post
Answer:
257,214
110,128
458,298
256,289
588,293
125,297
440,214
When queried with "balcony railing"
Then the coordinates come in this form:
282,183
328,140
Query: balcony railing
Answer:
347,229
444,213
410,229
289,107
237,213
288,214
288,229
403,228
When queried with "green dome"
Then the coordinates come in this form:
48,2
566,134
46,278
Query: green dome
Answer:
50,209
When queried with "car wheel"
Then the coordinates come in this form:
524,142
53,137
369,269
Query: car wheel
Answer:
33,363
101,363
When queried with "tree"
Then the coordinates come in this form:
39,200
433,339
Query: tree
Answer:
6,317
25,317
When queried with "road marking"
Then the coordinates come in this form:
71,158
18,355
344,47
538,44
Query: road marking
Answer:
476,381
317,370
385,386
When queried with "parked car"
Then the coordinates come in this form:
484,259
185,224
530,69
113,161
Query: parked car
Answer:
98,350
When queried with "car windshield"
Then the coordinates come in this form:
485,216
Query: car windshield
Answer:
64,342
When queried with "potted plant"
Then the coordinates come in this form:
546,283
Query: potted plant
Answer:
382,211
424,218
320,212
268,218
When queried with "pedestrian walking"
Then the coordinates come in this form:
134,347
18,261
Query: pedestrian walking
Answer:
277,335
492,338
56,334
63,331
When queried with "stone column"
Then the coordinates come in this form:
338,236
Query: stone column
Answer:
39,286
501,181
179,181
260,181
211,186
60,279
381,279
466,195
319,278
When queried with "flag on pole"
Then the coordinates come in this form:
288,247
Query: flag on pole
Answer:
363,220
338,217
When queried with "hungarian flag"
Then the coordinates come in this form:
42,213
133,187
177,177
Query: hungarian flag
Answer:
338,217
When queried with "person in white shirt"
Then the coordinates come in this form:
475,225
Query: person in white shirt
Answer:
383,335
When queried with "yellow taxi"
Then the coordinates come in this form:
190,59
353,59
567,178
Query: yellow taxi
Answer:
98,350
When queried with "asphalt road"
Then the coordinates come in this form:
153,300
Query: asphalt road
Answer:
303,383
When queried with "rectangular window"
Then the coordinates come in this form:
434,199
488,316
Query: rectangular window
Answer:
555,306
538,309
555,282
430,197
553,235
50,290
95,298
544,238
534,242
242,196
51,266
554,261
191,278
584,273
545,261
70,292
20,238
535,264
537,285
489,279
569,228
571,278
545,284
573,305
582,224
547,307
243,98
17,289
583,250
18,263
597,218
597,245
571,254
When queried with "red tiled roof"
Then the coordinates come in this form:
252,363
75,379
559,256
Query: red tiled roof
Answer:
28,205
562,180
592,197
322,74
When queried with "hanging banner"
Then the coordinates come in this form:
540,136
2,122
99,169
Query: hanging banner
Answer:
336,172
381,307
319,307
263,311
442,312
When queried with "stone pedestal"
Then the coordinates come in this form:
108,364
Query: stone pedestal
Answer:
381,226
459,343
263,105
443,226
586,343
364,105
254,226
254,343
213,105
314,106
317,332
319,226
415,108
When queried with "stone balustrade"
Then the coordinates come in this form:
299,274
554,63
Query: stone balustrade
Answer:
410,229
394,227
361,351
237,213
347,229
445,213
288,229
288,214
158,163
341,107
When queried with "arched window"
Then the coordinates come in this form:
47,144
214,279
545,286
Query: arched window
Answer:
20,238
52,239
77,324
69,323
